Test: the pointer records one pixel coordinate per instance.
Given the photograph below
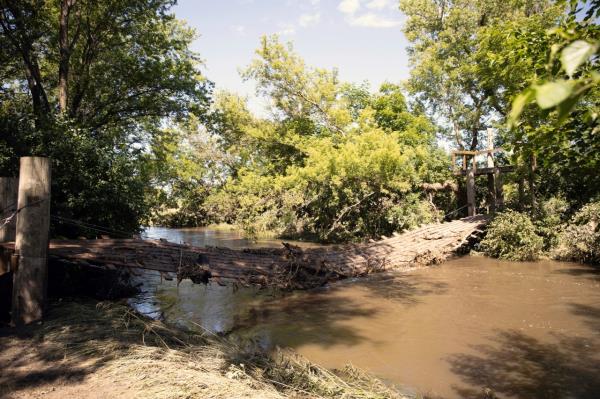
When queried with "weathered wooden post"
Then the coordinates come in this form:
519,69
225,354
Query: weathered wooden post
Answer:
492,194
471,192
499,189
31,245
8,205
8,220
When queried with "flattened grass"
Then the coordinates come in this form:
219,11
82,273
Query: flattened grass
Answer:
159,361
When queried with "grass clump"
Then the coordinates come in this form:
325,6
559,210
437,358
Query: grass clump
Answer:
298,377
512,236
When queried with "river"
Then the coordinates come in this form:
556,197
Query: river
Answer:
524,330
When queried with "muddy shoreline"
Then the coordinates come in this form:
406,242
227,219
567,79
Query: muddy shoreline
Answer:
98,349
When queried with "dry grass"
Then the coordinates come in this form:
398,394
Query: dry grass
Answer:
158,361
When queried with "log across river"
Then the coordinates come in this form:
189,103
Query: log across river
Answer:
288,267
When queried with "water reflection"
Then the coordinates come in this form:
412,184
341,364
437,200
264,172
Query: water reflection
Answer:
215,237
524,330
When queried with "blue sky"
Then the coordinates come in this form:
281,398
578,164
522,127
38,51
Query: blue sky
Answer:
362,38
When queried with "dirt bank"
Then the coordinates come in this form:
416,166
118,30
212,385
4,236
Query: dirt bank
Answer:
105,350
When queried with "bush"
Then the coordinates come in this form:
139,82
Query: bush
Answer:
549,219
580,240
364,185
512,236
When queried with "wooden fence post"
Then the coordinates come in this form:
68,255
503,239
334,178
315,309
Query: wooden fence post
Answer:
8,205
499,189
471,192
31,245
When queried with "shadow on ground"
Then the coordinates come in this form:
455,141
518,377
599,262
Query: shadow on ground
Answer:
28,360
76,340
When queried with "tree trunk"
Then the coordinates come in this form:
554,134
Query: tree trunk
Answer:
65,54
532,169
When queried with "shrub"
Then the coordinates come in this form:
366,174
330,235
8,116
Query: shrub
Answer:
549,219
512,236
580,240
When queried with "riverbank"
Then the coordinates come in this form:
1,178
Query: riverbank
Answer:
95,350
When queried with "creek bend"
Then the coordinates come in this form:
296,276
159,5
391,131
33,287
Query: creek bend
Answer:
524,330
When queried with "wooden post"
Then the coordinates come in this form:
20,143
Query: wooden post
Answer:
532,188
490,147
471,192
454,167
31,245
8,205
499,189
492,194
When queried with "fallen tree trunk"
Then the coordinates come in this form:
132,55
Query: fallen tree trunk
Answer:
288,267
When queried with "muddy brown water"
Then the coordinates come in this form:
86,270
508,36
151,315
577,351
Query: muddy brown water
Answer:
523,330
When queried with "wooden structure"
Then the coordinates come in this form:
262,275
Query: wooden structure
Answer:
469,168
288,267
8,220
25,220
31,243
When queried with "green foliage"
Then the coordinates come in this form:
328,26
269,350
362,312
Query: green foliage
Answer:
561,132
259,204
549,219
480,64
580,240
334,162
125,70
392,114
512,236
296,91
575,46
456,75
363,187
517,236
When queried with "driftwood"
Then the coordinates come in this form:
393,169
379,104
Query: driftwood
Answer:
288,267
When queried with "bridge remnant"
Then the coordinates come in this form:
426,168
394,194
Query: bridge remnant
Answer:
491,169
288,267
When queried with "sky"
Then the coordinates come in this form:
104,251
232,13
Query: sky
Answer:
362,38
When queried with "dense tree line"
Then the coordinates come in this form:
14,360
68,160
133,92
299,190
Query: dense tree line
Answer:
111,91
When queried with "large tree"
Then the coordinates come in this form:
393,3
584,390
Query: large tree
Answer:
92,84
333,161
447,75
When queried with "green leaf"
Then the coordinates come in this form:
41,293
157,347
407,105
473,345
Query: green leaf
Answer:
575,54
518,104
565,108
551,94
